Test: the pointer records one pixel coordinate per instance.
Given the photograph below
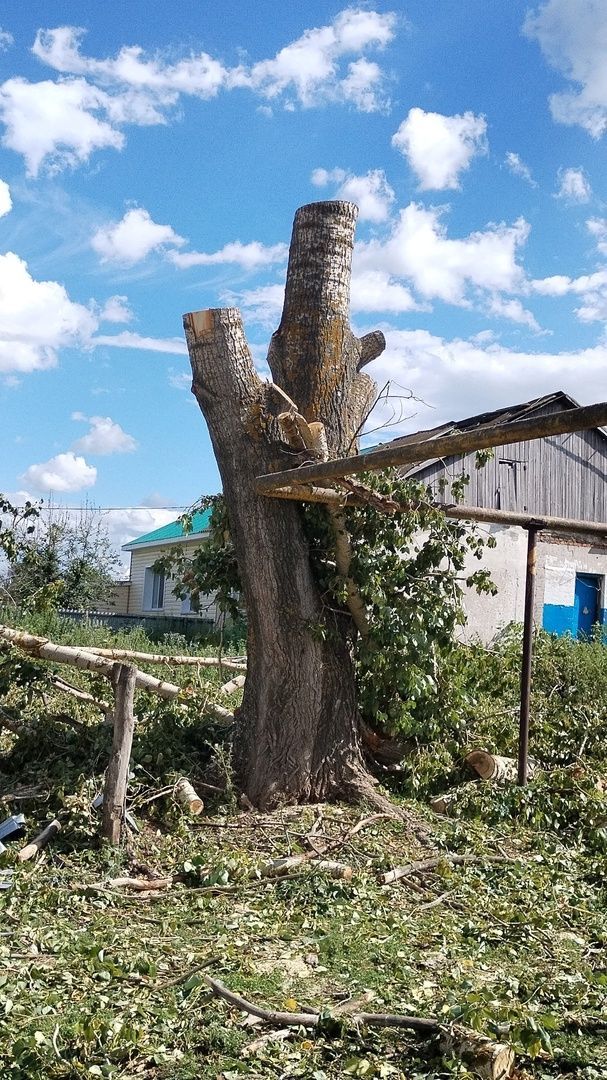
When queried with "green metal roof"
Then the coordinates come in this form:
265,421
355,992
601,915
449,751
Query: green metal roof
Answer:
174,530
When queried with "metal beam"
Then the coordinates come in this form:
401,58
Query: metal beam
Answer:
530,578
563,423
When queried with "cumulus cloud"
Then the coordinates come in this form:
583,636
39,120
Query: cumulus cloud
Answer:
513,310
310,71
129,340
6,202
6,40
104,437
574,185
459,377
64,472
572,34
518,168
439,148
597,227
126,525
37,318
59,124
116,310
133,238
249,256
372,192
419,250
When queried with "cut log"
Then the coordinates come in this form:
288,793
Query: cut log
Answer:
31,850
82,658
229,663
493,766
279,867
187,797
116,780
489,1060
234,684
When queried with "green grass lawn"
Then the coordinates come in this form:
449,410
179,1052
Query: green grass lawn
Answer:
96,980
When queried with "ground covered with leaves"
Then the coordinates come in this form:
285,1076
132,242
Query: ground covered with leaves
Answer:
97,979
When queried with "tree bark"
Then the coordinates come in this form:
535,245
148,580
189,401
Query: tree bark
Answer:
117,775
297,733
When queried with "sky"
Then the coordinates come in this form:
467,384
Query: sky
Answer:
152,157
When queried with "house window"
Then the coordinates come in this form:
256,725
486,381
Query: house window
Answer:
153,590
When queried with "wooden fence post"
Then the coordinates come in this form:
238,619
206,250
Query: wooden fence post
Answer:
117,775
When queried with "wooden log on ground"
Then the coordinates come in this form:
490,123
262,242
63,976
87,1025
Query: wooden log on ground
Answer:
494,766
116,779
488,1059
82,658
229,663
284,865
188,797
233,685
39,842
423,866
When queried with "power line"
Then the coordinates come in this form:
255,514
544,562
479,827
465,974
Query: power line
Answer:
95,509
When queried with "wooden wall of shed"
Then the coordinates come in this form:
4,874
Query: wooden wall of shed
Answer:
563,475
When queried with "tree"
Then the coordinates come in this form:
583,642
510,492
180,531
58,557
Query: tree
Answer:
299,729
62,561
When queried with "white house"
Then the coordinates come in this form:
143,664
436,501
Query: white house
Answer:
150,591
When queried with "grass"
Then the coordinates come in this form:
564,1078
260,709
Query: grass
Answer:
97,981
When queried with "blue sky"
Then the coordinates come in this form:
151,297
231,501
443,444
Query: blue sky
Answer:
151,160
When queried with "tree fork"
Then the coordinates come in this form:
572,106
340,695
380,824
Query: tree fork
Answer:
298,727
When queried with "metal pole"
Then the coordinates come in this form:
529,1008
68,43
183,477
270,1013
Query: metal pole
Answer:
523,738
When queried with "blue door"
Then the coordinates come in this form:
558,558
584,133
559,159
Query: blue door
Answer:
586,605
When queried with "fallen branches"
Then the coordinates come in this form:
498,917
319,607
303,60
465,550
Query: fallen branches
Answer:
178,661
494,1061
82,658
39,842
423,866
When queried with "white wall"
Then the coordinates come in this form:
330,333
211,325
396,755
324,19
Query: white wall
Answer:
507,561
172,605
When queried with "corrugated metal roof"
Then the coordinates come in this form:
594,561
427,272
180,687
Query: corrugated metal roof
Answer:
173,531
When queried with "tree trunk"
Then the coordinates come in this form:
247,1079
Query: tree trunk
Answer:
298,728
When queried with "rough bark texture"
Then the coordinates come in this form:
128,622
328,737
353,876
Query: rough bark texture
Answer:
298,731
117,775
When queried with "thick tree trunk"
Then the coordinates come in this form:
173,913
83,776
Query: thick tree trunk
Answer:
298,730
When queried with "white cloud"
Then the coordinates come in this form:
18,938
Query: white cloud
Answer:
560,285
372,192
199,75
518,168
597,227
573,37
262,305
56,124
514,311
308,71
180,380
129,340
574,185
59,124
104,437
36,319
438,148
126,525
419,250
116,310
64,472
132,239
459,378
6,40
6,203
374,290
249,256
